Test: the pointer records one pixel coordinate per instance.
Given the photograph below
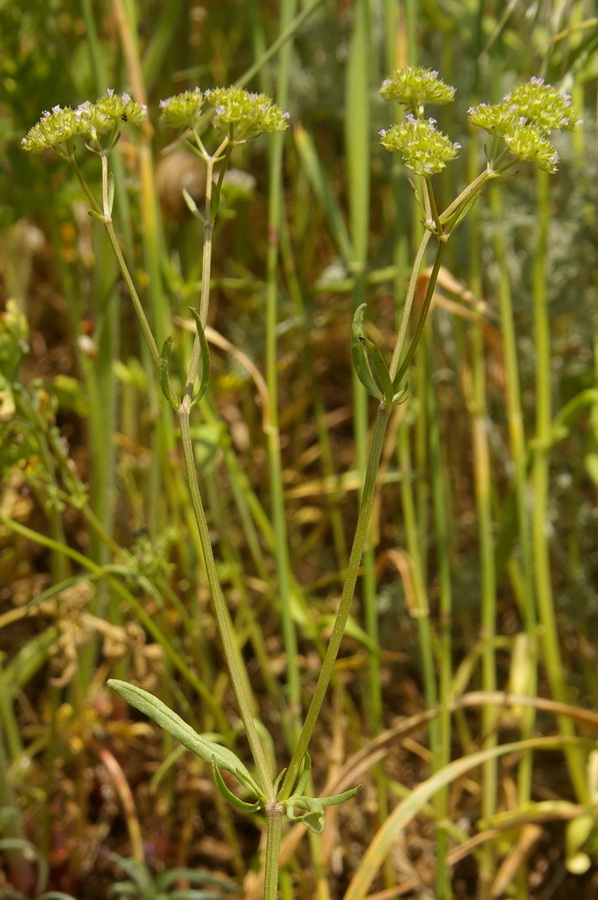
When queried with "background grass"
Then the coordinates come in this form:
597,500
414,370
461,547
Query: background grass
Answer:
482,572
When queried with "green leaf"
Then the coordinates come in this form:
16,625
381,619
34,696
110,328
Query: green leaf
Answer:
453,220
313,818
335,799
204,359
208,751
193,208
401,395
163,375
359,353
226,792
381,368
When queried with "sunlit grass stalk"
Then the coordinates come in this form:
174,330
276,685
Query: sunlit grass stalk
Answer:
483,503
519,482
163,505
540,473
442,527
357,141
100,379
275,212
483,479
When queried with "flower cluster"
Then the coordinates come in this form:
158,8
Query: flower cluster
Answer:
240,114
525,117
89,120
415,86
425,149
249,114
183,110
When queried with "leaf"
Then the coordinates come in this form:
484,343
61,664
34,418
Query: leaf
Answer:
335,799
163,375
453,220
360,356
313,818
193,208
204,359
226,792
381,368
208,751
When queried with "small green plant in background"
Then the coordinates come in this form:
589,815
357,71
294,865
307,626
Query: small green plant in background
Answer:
213,123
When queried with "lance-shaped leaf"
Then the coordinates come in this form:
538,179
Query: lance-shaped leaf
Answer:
226,792
204,359
210,752
369,363
359,353
163,375
192,205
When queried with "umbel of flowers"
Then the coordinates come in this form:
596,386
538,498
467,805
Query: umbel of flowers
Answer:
57,128
523,120
237,113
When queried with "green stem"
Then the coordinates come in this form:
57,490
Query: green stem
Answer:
408,305
397,376
359,541
124,269
237,671
274,819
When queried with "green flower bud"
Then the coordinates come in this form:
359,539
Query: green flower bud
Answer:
182,110
415,86
425,149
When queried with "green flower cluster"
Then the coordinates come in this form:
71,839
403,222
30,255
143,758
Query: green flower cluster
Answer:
238,111
415,86
425,149
183,110
89,120
249,114
524,119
